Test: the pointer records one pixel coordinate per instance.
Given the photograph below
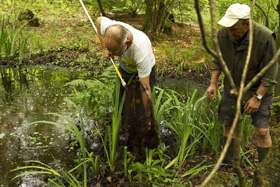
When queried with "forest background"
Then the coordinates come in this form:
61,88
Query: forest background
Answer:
61,34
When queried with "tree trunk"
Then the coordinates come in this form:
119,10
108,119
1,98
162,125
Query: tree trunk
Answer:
149,9
277,87
101,8
268,171
237,156
278,10
157,12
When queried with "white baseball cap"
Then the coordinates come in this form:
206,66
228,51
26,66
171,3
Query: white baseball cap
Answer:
234,13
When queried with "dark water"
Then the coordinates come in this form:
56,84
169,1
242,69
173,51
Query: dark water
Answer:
183,86
27,95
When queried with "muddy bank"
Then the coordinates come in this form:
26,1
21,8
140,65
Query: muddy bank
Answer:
70,59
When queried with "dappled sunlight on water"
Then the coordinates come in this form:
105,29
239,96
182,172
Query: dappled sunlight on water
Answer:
27,95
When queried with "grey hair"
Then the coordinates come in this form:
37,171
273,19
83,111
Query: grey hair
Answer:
120,36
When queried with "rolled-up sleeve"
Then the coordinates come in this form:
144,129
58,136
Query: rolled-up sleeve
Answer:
215,65
269,78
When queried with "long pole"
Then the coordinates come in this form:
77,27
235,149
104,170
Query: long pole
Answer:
116,68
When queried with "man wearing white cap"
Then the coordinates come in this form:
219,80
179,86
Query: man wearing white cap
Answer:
233,39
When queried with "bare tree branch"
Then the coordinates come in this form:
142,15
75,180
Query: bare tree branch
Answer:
264,13
228,75
217,53
202,30
238,134
276,99
262,72
237,125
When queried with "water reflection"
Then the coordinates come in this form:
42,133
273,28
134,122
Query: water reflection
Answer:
27,94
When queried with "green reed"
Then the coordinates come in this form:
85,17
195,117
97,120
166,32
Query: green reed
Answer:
96,97
125,160
192,123
186,117
60,176
12,41
112,132
247,129
22,43
163,101
211,129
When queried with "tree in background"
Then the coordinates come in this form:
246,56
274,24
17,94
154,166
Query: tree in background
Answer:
157,12
101,8
277,87
136,6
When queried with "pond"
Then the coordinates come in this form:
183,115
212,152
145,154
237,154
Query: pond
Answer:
27,95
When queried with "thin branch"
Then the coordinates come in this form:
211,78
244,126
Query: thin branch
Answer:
237,118
202,30
224,151
216,54
264,13
262,72
237,115
237,159
274,6
276,99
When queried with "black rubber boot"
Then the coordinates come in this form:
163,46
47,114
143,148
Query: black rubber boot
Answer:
262,152
229,155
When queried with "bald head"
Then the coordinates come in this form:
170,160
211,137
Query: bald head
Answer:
116,32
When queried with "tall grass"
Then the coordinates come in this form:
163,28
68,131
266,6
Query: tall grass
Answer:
96,96
192,123
12,41
98,101
59,177
22,46
113,131
182,124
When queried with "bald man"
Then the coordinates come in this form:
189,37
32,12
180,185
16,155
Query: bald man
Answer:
133,48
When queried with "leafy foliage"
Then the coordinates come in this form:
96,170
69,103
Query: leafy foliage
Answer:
95,96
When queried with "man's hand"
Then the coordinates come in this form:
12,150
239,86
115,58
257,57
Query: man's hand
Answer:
107,54
212,89
252,105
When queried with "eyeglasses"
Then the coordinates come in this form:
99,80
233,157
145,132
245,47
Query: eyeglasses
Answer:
120,52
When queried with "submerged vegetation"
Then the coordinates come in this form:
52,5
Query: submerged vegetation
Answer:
190,136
